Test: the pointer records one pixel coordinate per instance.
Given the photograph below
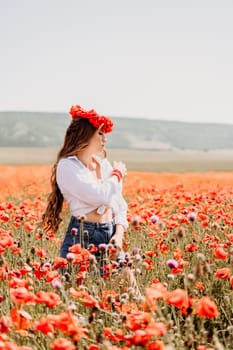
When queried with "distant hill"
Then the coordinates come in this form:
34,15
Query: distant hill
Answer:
40,129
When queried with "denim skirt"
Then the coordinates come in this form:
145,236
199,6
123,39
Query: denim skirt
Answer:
87,233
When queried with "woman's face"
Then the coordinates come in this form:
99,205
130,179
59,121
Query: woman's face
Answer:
97,141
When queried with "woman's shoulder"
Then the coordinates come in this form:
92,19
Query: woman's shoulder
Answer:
69,162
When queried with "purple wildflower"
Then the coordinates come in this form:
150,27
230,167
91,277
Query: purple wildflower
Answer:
154,219
56,283
103,247
74,231
70,256
172,263
170,276
127,256
192,216
135,251
136,220
47,264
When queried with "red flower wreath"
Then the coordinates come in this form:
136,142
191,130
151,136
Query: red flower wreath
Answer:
95,119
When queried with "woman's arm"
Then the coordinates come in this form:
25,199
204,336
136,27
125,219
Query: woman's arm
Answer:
117,241
80,183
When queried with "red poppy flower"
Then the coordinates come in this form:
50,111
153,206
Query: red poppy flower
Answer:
5,324
50,299
205,307
138,320
6,242
178,297
143,336
29,227
21,318
93,347
4,217
223,273
62,344
155,292
51,275
156,345
68,324
116,336
220,253
22,296
60,263
18,282
41,252
231,281
44,326
84,297
191,247
25,269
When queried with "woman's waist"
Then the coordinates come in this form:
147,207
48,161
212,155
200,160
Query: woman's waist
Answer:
93,216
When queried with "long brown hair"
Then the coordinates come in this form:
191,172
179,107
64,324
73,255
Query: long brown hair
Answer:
76,138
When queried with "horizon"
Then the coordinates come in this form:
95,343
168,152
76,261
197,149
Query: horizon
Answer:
123,117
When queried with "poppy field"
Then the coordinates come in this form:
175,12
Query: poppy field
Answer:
179,246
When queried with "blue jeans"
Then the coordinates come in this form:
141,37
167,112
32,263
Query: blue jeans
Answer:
87,233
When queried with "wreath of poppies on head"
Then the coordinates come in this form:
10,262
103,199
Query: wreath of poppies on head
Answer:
98,121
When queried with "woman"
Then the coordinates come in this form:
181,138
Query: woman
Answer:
89,184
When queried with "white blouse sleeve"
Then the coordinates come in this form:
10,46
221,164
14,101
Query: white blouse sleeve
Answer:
121,212
75,180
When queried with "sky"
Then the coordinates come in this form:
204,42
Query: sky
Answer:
156,59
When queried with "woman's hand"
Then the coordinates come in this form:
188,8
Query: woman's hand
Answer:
117,242
120,166
97,168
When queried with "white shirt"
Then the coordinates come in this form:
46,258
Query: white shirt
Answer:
85,193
